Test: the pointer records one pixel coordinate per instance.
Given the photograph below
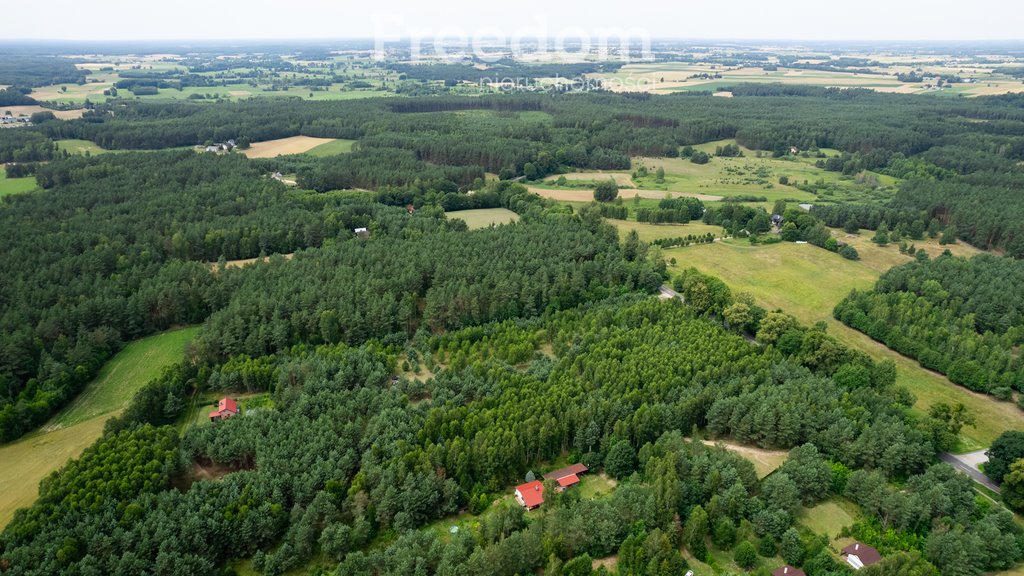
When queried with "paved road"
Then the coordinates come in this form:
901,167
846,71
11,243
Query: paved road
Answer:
967,463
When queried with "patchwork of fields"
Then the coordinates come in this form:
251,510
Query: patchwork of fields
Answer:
668,77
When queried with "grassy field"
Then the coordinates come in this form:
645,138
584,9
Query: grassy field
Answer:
651,232
724,177
339,146
829,517
586,195
808,282
484,217
79,147
747,176
281,146
882,258
32,109
15,185
32,458
134,366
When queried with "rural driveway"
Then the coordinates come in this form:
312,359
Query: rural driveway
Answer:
969,464
667,292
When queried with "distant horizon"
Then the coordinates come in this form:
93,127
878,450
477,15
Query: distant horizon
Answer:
942,21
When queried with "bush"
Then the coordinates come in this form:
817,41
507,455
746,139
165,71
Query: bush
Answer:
849,252
746,556
606,191
699,157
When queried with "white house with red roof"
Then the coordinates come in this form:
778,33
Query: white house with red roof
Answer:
530,495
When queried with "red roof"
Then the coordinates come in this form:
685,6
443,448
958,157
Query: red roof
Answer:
225,406
788,571
570,480
567,471
531,493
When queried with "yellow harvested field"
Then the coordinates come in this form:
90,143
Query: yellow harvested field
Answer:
723,94
587,195
240,93
282,146
30,110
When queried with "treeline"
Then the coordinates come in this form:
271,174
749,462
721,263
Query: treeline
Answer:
117,247
15,97
32,71
510,70
964,318
22,145
984,208
679,210
422,271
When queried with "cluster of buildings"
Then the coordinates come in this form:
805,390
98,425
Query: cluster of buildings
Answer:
531,494
221,147
10,120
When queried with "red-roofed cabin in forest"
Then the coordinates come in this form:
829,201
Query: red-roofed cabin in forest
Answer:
568,481
566,477
530,495
226,408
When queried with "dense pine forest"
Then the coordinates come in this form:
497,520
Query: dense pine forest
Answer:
964,318
413,372
348,457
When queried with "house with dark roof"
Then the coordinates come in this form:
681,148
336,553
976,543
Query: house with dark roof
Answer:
226,408
788,570
859,555
530,495
566,477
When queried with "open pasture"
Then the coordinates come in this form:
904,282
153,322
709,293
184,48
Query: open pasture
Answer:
650,232
484,217
79,147
15,185
33,457
807,282
585,195
339,146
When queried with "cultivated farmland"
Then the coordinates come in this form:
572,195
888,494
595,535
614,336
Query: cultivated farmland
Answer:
283,146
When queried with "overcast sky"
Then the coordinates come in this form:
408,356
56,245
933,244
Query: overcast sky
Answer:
939,20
